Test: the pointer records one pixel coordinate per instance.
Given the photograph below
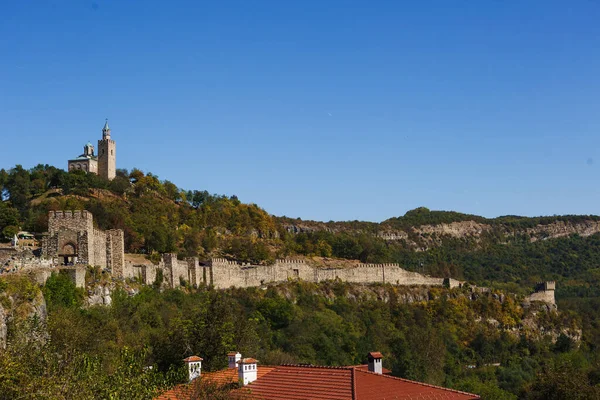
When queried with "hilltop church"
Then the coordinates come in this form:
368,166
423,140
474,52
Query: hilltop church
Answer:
105,163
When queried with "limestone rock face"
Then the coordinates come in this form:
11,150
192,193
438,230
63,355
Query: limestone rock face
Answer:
427,236
17,309
562,228
99,296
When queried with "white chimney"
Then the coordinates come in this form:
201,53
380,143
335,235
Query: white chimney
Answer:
247,370
375,359
194,364
233,357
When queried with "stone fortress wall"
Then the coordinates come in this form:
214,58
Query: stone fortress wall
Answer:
544,292
72,233
222,273
115,251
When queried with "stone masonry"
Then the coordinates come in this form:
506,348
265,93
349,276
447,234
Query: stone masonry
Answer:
72,239
544,292
222,273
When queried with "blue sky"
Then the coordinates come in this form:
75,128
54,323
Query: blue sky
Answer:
329,110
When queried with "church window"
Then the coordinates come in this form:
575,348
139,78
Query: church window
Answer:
111,152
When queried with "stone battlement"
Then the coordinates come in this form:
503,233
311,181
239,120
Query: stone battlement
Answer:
223,261
223,273
388,265
98,232
77,214
289,261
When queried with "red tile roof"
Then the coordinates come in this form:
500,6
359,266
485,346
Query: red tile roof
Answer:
248,361
375,354
372,386
365,367
342,383
300,383
230,375
193,358
179,392
220,378
232,353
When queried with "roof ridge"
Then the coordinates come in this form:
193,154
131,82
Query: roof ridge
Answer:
348,368
416,382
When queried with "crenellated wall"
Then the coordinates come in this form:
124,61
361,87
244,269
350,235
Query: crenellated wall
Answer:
223,274
79,220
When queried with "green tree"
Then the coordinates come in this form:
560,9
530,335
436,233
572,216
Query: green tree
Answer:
9,232
60,291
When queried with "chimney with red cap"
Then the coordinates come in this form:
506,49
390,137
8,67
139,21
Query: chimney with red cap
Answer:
375,358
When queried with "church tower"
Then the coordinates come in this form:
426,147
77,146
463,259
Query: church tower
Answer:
107,154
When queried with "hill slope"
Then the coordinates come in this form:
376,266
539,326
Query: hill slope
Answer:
158,217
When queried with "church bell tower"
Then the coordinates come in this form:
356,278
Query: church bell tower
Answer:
107,154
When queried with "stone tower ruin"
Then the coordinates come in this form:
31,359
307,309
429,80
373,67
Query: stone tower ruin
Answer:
72,239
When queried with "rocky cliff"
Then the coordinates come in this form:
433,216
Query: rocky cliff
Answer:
422,237
517,315
20,300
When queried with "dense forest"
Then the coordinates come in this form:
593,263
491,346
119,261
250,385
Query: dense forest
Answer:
103,352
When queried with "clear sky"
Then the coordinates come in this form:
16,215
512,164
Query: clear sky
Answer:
329,110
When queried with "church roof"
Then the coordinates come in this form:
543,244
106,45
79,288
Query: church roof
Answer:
106,127
83,157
